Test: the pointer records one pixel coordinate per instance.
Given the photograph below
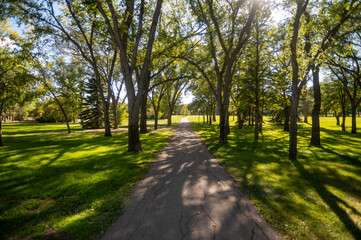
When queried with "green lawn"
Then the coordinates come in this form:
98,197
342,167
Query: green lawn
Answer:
55,185
317,196
175,121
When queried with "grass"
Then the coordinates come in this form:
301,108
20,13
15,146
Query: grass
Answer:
175,121
317,196
55,185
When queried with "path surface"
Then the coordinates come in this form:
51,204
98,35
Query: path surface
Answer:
188,195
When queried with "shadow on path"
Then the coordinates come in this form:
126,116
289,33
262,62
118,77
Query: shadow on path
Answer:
188,195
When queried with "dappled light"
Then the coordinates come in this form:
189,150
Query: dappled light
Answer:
304,197
187,195
67,186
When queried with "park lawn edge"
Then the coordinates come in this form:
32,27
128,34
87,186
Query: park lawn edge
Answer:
109,212
298,225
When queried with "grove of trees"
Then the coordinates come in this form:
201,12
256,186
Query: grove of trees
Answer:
104,61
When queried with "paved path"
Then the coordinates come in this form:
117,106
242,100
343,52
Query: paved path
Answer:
188,195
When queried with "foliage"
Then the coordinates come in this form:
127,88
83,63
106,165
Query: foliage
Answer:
15,77
184,111
92,115
122,113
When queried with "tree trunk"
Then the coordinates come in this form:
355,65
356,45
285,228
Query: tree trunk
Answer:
107,126
256,111
214,113
315,138
337,116
204,118
134,144
222,125
143,115
239,120
170,111
156,112
296,89
353,117
257,118
115,114
143,104
63,112
293,127
252,117
227,124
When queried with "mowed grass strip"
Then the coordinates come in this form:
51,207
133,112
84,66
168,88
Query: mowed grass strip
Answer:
317,196
67,186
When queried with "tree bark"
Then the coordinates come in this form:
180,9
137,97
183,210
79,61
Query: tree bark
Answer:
222,125
143,116
115,113
315,138
305,111
214,113
169,118
257,83
292,153
353,117
337,116
143,106
134,144
156,112
120,37
343,112
107,126
239,120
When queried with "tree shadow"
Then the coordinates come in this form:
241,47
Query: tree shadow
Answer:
330,199
74,179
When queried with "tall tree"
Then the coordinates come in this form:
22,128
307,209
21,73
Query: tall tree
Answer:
15,77
125,24
314,51
225,40
348,71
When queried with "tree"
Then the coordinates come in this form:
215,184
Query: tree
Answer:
157,94
348,72
15,77
314,52
61,81
91,116
127,31
77,27
184,111
224,43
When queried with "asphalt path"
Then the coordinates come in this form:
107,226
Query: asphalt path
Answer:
188,195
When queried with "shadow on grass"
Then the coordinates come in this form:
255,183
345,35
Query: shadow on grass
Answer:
294,195
330,199
69,187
